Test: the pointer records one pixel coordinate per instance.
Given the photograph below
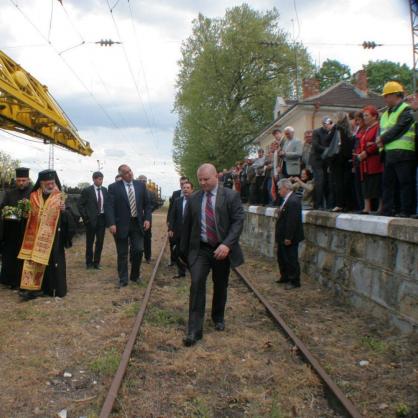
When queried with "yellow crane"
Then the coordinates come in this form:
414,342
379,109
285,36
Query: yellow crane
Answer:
27,107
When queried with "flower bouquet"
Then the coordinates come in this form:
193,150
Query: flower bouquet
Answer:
24,207
11,213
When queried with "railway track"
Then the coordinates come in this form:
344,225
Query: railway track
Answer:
335,397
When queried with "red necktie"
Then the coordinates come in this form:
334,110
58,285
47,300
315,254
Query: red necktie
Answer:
210,221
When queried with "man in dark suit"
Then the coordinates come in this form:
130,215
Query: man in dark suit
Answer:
176,224
289,232
148,234
91,206
211,228
320,142
128,215
174,196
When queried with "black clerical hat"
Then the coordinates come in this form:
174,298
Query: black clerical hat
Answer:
97,174
22,172
47,175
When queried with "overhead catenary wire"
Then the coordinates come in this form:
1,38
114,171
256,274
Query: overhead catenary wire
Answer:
102,82
70,68
132,74
136,38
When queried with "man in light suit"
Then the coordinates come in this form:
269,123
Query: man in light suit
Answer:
91,206
128,215
291,153
211,229
176,224
289,233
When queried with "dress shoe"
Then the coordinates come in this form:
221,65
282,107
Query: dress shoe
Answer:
291,286
178,276
282,280
136,279
192,338
97,267
122,284
89,266
30,295
148,260
170,264
220,326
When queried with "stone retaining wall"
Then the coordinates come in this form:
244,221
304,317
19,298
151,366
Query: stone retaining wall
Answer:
369,261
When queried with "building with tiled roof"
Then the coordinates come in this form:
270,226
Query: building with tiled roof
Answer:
308,112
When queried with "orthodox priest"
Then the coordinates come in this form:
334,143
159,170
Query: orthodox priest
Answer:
12,230
49,231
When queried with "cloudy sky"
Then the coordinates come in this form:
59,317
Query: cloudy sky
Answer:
121,98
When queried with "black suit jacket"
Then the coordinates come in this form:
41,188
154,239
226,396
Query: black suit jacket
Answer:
118,211
320,141
176,194
176,217
88,207
229,217
289,222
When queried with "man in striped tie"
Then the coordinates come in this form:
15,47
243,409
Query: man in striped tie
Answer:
212,225
128,215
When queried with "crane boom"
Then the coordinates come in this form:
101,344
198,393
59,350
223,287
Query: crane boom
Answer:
27,107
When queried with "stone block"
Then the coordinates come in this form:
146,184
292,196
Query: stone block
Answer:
385,289
358,247
408,300
340,242
378,251
362,277
366,224
403,230
342,270
406,259
320,218
322,237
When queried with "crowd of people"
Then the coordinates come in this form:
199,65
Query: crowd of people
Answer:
362,162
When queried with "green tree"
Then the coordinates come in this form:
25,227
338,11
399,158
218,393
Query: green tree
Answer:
7,168
379,72
231,71
331,72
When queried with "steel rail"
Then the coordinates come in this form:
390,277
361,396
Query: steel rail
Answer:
344,402
123,365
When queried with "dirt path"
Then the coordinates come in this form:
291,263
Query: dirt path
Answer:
60,354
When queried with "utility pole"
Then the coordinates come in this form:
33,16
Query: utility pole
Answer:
413,8
51,156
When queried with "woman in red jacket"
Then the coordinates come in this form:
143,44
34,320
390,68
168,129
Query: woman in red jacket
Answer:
371,167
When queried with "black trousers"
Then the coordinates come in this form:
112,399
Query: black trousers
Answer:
147,244
321,186
172,250
134,240
343,180
95,234
199,272
181,269
287,257
400,174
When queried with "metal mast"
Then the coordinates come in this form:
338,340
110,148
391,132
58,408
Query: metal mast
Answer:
413,7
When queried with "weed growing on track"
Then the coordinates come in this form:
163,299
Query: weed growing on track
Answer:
373,344
131,310
107,363
162,317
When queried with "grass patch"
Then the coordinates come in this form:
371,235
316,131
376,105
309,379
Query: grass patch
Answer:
131,310
276,409
373,344
164,318
199,409
107,363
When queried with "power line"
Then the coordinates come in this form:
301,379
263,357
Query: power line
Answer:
132,73
140,61
66,64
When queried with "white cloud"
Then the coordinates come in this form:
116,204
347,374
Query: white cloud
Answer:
144,140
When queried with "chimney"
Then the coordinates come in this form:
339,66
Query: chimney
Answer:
360,81
310,87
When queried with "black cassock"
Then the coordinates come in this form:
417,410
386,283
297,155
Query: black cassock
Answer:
55,278
12,232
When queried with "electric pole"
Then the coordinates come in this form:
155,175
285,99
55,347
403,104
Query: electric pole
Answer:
413,8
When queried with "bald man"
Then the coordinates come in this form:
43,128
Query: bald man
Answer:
212,226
